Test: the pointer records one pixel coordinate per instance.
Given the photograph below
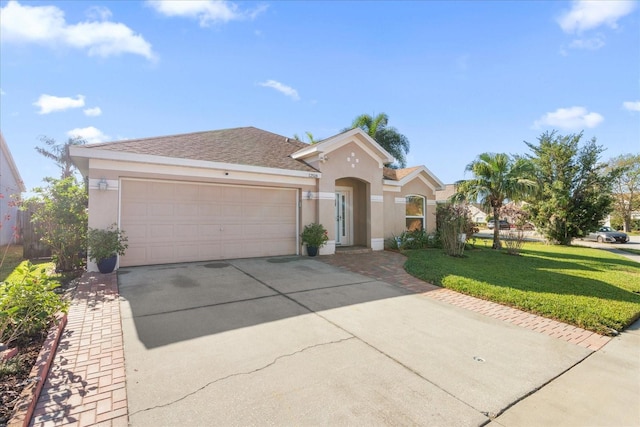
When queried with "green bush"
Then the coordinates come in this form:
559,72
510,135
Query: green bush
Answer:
28,303
60,217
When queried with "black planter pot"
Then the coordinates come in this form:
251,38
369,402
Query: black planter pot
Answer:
107,265
312,250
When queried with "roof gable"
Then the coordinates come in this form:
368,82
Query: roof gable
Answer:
402,176
356,135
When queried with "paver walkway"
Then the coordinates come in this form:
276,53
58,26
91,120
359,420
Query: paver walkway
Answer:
86,382
389,267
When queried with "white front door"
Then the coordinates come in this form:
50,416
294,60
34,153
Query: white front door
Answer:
344,219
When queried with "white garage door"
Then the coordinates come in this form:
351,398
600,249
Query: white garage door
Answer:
170,222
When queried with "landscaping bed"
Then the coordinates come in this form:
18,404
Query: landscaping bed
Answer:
16,372
589,288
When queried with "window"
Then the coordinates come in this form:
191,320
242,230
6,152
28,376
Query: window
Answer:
415,213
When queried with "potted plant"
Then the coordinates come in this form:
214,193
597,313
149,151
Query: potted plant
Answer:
314,236
105,245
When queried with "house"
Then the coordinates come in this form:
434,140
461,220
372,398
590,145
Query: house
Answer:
11,186
246,192
478,215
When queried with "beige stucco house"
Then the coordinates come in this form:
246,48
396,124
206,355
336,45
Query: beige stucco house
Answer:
11,186
246,192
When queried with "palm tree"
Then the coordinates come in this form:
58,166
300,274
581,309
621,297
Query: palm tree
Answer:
59,153
388,137
312,140
497,177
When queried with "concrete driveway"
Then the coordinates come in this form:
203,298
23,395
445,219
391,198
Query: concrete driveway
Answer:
290,340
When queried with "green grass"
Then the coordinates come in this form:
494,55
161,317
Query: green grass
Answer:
12,258
631,251
589,288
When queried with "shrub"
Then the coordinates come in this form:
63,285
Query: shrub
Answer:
28,303
106,243
314,235
60,216
454,227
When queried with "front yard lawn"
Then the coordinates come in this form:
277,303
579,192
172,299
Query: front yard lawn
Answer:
589,288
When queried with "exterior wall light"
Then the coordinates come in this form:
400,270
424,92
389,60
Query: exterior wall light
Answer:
103,185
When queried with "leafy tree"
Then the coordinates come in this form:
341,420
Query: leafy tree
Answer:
574,191
626,187
309,135
497,177
388,137
59,153
60,217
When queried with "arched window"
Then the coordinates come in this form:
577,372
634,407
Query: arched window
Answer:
414,213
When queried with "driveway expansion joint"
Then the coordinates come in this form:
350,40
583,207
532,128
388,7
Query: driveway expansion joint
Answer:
237,374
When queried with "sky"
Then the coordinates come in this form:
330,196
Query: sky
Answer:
457,78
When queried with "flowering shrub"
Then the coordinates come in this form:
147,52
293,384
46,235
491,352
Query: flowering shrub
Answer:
315,235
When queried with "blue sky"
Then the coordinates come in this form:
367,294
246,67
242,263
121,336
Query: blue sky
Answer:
457,78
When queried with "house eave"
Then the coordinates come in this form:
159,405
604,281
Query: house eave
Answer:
81,156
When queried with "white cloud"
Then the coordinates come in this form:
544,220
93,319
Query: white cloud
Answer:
206,12
2,92
570,118
46,25
589,14
89,134
282,88
50,104
631,105
92,112
593,43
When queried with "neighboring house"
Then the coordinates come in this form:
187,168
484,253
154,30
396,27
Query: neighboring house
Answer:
246,192
11,186
477,214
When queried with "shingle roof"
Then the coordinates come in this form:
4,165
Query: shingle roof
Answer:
243,146
397,174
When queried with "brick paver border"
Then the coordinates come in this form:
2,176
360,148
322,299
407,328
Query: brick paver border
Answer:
86,382
388,267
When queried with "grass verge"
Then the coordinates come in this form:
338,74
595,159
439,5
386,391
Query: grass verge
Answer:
12,258
589,288
631,251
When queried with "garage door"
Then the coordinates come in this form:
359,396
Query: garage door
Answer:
170,222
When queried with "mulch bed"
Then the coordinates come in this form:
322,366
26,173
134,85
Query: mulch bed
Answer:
12,383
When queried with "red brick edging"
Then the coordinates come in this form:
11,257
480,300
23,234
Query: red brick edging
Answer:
388,266
29,397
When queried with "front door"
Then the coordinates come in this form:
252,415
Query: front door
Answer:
344,219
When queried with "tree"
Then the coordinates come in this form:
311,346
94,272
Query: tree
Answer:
388,137
497,177
574,190
59,153
60,217
312,140
626,187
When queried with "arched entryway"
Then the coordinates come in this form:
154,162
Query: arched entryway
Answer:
352,212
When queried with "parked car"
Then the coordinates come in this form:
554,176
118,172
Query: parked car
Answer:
504,224
607,234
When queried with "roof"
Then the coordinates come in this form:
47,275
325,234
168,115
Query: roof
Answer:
333,143
242,146
446,193
397,174
12,165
